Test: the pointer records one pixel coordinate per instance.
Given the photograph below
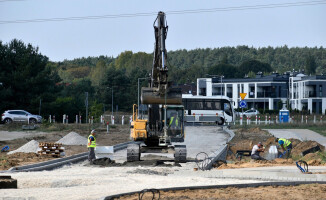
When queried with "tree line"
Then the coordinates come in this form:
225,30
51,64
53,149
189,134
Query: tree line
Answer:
30,81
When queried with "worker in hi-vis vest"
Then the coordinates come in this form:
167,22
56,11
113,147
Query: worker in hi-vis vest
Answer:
286,145
91,146
174,123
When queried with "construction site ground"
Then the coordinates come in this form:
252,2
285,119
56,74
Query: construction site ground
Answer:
301,192
245,139
16,139
159,171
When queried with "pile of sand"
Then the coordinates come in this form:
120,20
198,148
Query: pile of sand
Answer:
29,147
73,138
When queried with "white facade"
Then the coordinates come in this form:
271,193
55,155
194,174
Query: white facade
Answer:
308,93
258,95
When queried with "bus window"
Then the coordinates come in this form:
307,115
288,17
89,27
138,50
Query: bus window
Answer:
213,105
194,105
227,109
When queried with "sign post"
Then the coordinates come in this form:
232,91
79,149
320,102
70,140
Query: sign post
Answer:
242,103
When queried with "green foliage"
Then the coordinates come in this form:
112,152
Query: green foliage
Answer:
251,74
96,109
130,61
253,66
228,70
98,73
310,65
26,78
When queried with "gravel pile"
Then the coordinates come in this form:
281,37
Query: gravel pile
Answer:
73,138
29,147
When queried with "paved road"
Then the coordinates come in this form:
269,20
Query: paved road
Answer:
12,135
206,139
300,134
198,139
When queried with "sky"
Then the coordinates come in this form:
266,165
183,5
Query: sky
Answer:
296,26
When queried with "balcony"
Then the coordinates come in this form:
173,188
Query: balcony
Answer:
266,95
310,94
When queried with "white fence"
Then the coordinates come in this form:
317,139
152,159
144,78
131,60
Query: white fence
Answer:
103,119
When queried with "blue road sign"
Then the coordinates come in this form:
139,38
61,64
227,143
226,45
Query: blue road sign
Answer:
243,104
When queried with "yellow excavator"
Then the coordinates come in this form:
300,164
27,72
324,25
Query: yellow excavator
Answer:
165,123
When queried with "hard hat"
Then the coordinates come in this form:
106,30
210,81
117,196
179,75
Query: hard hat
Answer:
93,131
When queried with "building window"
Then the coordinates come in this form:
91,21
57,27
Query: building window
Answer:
252,92
320,91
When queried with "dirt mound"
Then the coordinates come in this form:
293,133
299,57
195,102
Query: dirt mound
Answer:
29,147
252,130
73,138
300,147
314,162
311,156
270,141
19,158
243,145
254,163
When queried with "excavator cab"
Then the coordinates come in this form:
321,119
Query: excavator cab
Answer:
174,115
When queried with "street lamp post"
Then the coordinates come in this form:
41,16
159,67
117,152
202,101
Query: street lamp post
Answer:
112,101
221,85
138,95
112,98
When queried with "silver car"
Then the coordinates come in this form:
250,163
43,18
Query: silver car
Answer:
10,116
250,113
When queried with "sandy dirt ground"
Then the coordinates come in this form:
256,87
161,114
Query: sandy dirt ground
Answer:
76,181
116,135
245,139
82,181
264,163
304,192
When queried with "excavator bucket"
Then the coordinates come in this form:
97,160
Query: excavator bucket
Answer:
152,96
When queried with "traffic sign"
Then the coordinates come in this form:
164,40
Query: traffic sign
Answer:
243,104
243,95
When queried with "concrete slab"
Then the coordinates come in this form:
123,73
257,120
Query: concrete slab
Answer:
206,139
301,134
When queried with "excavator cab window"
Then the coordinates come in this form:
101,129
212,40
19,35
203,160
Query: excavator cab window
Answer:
175,122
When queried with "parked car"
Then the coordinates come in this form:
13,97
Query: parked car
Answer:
250,113
10,116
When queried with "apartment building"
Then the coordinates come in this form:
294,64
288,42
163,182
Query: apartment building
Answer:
308,93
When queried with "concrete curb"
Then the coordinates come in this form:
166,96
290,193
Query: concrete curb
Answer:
246,185
231,133
221,153
49,165
56,163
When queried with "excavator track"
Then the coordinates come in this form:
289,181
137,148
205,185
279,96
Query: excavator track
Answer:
180,153
133,152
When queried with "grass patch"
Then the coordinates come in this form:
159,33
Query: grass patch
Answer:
3,162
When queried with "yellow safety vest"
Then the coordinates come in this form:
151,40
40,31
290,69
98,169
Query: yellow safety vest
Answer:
176,121
93,143
286,142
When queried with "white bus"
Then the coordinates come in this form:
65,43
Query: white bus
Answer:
217,109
